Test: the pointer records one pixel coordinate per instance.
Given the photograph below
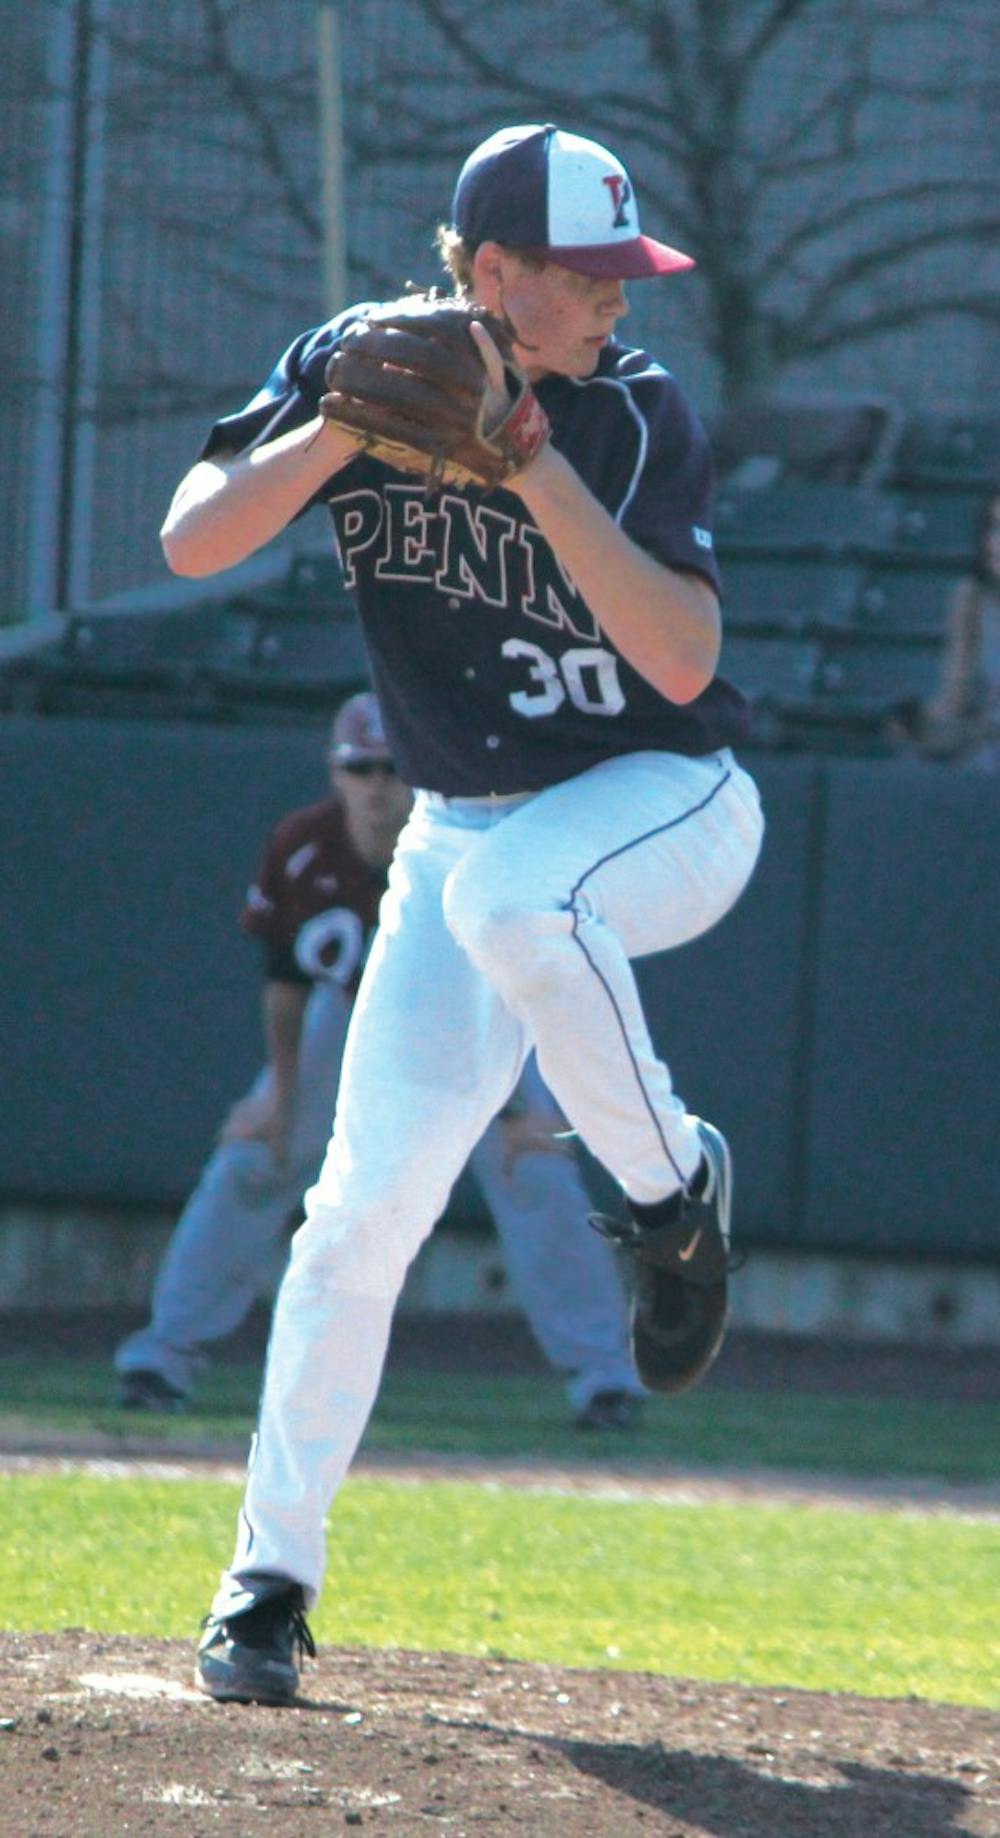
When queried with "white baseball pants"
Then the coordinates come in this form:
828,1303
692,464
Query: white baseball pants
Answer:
234,1228
508,922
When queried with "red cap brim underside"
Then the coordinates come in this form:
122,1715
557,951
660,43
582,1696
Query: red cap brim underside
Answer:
623,261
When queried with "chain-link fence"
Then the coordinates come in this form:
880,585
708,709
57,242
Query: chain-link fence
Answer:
163,231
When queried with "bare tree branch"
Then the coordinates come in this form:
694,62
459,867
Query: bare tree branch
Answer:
487,69
863,267
779,140
772,27
745,188
907,313
250,100
858,210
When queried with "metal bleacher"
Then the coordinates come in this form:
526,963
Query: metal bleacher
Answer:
303,655
903,594
938,523
948,452
794,519
772,670
866,674
290,645
783,594
837,585
119,646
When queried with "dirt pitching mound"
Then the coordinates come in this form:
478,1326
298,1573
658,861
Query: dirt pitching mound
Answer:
107,1736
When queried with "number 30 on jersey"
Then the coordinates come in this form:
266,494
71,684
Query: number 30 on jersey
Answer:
587,675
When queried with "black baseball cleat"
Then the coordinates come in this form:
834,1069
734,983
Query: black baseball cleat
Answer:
249,1658
142,1390
681,1251
610,1410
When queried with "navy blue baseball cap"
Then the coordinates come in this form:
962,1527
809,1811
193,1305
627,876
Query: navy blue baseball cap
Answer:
562,197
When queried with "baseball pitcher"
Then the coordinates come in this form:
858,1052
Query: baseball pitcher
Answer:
522,505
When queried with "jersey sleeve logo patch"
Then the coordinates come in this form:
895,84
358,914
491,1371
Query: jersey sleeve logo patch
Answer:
702,537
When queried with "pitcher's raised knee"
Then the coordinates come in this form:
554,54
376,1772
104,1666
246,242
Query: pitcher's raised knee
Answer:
513,942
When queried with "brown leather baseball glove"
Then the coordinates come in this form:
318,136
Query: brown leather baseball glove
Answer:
410,383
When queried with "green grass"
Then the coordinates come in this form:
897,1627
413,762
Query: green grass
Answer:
509,1416
877,1603
883,1604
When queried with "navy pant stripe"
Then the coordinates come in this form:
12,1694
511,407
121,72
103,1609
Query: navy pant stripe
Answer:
571,906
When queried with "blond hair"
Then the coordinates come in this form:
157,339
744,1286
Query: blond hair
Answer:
458,253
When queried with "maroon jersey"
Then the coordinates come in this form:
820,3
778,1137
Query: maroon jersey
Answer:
315,901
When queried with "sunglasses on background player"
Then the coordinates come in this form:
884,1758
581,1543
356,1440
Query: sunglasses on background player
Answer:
368,768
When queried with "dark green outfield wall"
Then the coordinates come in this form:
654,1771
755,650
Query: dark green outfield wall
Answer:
841,1025
844,1022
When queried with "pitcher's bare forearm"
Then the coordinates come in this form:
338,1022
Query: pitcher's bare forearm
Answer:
227,508
665,623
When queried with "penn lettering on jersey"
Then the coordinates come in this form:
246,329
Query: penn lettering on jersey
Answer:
461,548
458,592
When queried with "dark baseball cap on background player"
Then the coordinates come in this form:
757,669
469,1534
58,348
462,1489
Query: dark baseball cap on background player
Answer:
560,196
357,737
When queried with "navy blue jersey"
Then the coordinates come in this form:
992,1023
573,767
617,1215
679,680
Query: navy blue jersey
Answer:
492,673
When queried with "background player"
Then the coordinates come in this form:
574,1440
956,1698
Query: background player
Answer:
961,722
545,657
314,907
